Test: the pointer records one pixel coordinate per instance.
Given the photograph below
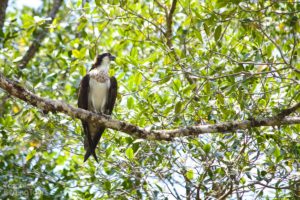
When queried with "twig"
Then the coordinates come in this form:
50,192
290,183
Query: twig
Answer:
274,42
145,19
289,111
162,6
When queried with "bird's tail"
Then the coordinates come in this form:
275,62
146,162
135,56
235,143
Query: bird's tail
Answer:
92,144
88,153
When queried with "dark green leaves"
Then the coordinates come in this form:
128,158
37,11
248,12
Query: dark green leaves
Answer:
178,107
217,33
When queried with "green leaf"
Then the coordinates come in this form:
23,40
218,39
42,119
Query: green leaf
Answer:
76,53
177,84
138,78
30,155
242,180
82,24
108,151
18,59
82,53
206,29
218,32
178,107
207,148
276,152
107,185
98,2
129,153
262,103
130,102
190,174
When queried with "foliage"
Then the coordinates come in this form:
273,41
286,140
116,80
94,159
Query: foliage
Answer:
224,61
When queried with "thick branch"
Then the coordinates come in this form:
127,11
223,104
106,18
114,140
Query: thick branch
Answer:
3,6
40,35
58,106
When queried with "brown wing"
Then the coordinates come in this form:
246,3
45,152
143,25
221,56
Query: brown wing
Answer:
112,95
84,92
83,103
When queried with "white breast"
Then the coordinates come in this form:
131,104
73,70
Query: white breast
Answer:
98,95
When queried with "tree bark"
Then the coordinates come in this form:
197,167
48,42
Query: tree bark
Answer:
3,6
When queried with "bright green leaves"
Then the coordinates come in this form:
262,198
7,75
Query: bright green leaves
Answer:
76,53
82,53
176,84
28,21
130,103
138,78
207,148
129,153
30,154
190,174
79,54
277,154
82,24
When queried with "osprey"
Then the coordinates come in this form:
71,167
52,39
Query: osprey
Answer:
98,94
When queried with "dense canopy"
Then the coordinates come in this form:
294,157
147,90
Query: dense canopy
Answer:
208,102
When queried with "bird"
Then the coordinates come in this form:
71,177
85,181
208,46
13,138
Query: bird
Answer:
97,93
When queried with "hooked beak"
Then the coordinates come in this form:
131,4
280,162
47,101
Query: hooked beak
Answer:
112,58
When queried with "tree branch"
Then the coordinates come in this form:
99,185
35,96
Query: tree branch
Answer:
289,111
40,35
3,6
168,35
16,90
169,19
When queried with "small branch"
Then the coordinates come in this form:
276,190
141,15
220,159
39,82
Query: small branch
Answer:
162,6
145,19
245,73
289,111
275,43
293,51
3,6
41,34
229,192
248,62
58,106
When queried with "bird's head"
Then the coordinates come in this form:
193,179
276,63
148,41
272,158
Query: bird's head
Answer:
103,60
